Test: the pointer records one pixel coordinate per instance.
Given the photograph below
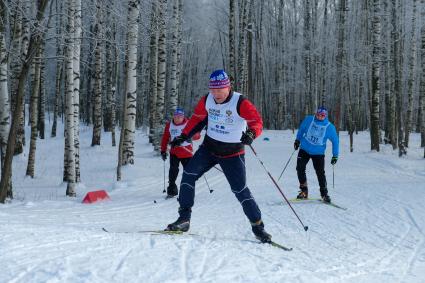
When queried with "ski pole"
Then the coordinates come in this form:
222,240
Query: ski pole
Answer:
208,185
164,177
333,177
286,165
277,186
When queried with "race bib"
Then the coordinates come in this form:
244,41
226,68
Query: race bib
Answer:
316,133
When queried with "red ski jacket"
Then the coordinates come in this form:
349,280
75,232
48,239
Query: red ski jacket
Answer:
199,120
179,151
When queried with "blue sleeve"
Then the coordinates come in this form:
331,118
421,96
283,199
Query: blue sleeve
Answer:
334,139
302,128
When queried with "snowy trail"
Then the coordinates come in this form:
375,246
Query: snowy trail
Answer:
46,237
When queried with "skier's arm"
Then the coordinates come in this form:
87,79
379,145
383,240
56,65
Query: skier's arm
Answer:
334,139
301,130
248,111
198,120
165,137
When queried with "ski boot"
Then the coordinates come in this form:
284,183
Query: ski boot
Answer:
260,233
182,223
303,194
324,193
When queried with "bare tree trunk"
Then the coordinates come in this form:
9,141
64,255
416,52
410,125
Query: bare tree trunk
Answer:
42,97
4,92
76,86
69,166
34,43
153,54
159,129
59,68
411,80
97,127
131,85
374,109
422,88
232,37
34,113
174,63
341,74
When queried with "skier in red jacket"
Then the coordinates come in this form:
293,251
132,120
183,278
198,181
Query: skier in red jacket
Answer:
178,154
232,121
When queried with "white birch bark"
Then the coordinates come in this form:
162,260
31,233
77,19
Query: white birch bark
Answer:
69,103
4,92
97,126
76,71
159,117
411,79
35,92
374,109
129,127
153,77
174,63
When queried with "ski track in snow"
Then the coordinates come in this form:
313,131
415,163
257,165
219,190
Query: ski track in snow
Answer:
46,237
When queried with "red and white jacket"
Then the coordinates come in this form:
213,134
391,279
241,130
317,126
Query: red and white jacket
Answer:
225,123
174,130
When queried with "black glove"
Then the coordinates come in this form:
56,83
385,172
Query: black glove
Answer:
163,155
177,141
296,144
248,137
334,160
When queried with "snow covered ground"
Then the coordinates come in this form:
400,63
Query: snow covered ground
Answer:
47,237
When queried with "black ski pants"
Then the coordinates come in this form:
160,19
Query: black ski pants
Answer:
318,164
174,168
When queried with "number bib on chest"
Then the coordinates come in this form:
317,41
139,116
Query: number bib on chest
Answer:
224,122
316,133
176,130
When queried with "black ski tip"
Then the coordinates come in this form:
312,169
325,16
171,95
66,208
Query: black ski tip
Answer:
305,228
154,201
103,228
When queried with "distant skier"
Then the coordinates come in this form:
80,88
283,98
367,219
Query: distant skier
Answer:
178,154
226,114
311,139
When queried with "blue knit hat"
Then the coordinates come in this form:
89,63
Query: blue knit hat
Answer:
219,79
179,112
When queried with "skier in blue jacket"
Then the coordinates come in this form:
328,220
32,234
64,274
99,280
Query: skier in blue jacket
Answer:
311,139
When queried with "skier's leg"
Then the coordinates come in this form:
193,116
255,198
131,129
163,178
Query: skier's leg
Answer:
200,163
302,160
172,175
185,161
319,166
234,170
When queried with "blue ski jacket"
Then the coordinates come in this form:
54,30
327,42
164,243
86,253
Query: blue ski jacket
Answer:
314,133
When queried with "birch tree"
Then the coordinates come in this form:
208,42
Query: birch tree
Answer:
129,126
34,113
76,83
4,92
374,109
173,97
159,117
411,79
422,89
153,76
69,166
98,30
33,45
